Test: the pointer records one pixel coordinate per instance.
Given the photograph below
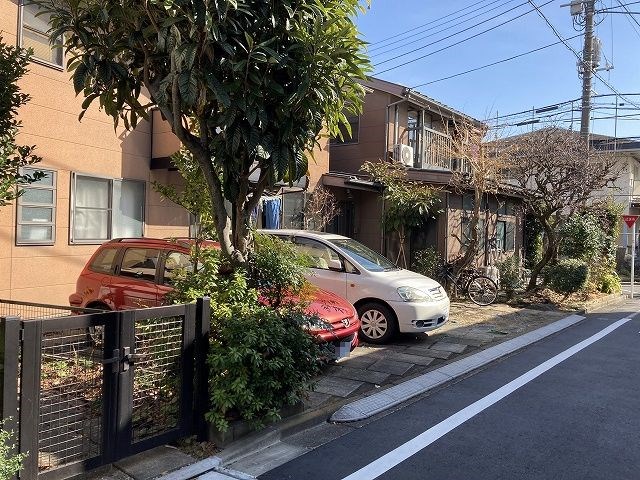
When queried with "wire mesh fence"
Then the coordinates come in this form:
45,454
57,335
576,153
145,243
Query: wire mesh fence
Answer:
94,388
156,379
70,418
34,311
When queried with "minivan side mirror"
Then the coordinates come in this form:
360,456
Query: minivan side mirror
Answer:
335,265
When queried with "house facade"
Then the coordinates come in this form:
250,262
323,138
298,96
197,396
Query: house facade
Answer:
97,184
626,189
400,125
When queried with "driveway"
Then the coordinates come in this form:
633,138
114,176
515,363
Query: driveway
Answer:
471,328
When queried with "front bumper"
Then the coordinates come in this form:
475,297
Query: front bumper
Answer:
339,334
421,317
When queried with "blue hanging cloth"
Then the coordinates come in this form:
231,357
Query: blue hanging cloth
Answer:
272,213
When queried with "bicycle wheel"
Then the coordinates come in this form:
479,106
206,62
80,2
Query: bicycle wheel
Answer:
482,290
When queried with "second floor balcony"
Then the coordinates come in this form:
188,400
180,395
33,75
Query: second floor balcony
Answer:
433,150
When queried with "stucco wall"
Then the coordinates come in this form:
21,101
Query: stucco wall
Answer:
50,121
370,147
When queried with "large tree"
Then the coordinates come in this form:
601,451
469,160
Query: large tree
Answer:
479,174
246,85
13,66
558,174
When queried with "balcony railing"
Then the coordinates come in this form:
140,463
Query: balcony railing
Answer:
436,151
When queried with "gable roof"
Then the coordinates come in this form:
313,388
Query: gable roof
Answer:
419,99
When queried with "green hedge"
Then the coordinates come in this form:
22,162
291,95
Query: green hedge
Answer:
568,276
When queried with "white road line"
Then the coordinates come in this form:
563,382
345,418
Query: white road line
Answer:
413,446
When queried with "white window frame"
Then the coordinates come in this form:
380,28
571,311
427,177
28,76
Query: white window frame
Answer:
20,204
21,27
72,208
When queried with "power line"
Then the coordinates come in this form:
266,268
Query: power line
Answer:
431,34
459,42
462,31
630,17
426,25
559,104
555,117
430,22
492,64
578,56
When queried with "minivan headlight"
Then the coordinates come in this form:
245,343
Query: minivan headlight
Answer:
410,294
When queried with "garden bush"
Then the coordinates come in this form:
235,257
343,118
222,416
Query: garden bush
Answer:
592,236
276,269
568,276
602,276
427,262
10,463
532,242
610,283
583,238
261,356
510,274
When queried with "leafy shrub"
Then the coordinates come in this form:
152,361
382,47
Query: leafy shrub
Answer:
275,269
583,237
610,283
592,236
510,273
261,356
427,262
568,276
10,463
532,242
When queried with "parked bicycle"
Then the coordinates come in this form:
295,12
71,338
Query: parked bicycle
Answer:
480,289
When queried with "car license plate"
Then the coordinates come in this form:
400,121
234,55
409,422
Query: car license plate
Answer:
342,348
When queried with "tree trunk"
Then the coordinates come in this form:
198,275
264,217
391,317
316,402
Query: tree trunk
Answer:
401,252
549,254
472,247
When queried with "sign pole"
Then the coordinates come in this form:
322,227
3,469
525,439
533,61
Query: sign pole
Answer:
630,220
633,257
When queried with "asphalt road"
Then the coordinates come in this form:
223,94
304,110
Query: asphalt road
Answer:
560,409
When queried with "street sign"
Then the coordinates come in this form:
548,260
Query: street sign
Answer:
630,220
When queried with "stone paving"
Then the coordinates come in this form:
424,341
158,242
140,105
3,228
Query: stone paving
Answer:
470,329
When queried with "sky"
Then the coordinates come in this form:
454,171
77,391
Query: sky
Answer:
540,79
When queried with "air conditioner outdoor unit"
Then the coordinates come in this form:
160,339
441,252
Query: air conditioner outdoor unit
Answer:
403,154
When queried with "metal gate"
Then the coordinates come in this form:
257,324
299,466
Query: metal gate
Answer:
97,388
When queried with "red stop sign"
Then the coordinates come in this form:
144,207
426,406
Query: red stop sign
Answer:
629,219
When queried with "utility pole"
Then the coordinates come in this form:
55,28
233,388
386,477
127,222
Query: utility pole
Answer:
587,67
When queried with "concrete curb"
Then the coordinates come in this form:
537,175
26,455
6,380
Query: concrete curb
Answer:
368,406
207,469
194,470
607,301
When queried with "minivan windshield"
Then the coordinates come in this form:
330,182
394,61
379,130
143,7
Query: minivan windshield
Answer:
367,258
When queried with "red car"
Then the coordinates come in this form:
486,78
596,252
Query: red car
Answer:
132,273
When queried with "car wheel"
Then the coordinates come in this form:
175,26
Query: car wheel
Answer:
378,323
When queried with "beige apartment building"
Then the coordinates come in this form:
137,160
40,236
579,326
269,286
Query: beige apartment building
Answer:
98,182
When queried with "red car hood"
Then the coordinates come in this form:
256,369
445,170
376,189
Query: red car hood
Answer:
329,307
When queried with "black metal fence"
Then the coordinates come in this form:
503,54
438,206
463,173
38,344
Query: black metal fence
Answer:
31,311
86,390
